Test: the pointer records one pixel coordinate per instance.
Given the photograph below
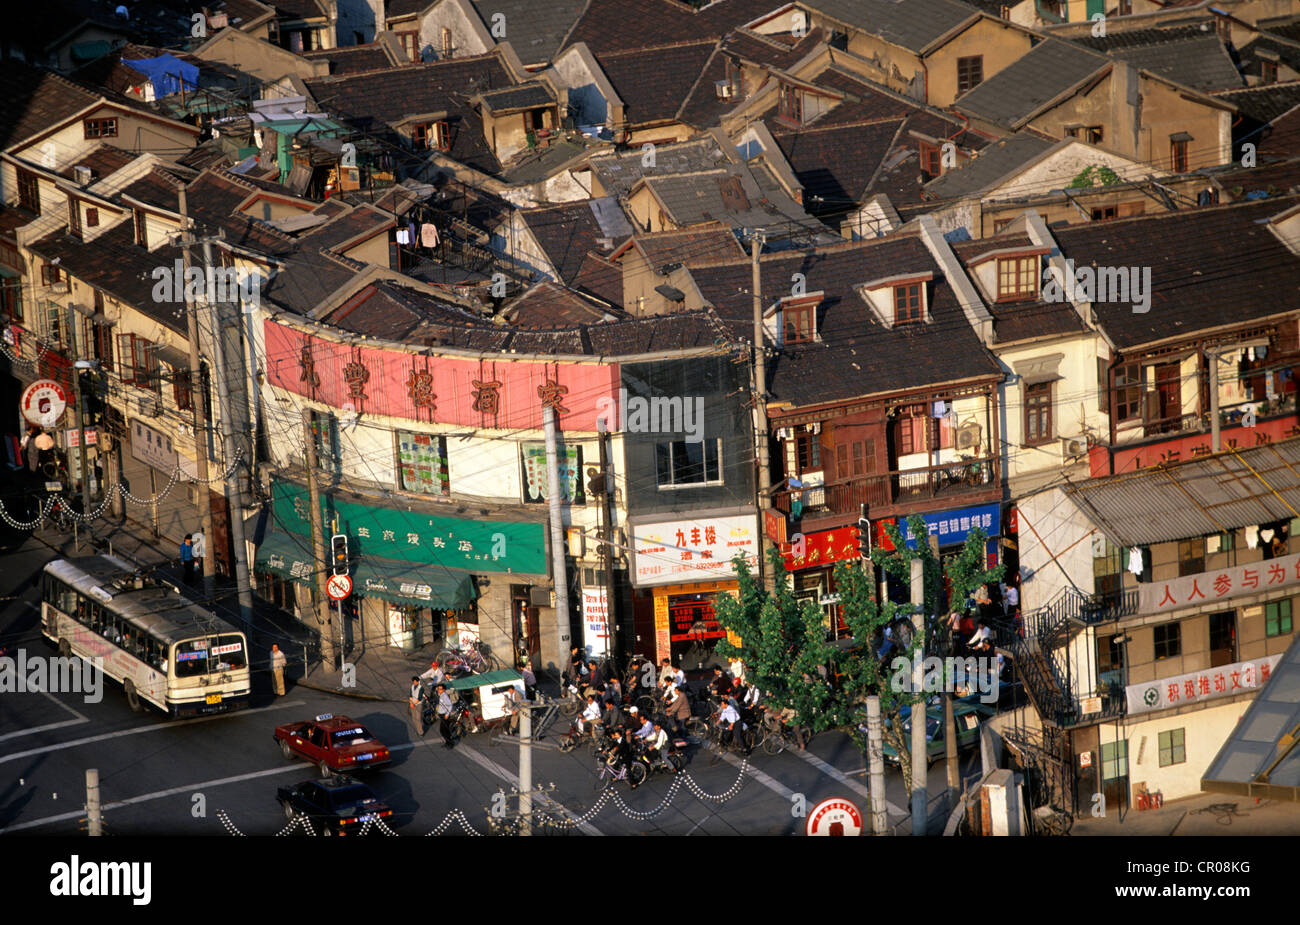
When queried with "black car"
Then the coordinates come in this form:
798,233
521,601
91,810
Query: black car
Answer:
339,805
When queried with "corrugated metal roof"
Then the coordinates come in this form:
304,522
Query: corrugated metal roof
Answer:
1254,745
1213,494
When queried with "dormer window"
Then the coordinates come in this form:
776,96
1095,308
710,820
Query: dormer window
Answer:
800,322
909,303
790,107
1017,278
141,230
931,162
100,128
74,218
433,135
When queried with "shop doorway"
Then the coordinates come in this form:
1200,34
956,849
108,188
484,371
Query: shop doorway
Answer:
525,632
1114,775
694,631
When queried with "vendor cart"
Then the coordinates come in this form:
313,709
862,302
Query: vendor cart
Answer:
486,695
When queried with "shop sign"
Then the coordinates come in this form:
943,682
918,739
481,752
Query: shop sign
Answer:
835,816
1234,581
152,447
595,620
568,462
824,547
774,526
1197,686
951,527
692,549
43,402
72,437
411,536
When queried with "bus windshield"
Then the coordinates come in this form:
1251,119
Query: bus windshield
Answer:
215,653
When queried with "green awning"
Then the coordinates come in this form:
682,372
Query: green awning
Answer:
436,587
471,681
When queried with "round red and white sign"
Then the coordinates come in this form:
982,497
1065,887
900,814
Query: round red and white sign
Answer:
43,402
338,587
835,816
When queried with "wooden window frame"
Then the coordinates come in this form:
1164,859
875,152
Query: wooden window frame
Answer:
447,46
1128,393
1178,155
1171,752
103,127
182,389
799,323
410,42
1038,424
1018,278
1171,644
92,217
141,229
970,73
790,104
1189,562
29,191
74,217
905,312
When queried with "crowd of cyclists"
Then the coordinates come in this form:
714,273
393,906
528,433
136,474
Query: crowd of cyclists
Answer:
647,714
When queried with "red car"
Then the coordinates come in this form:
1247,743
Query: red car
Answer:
333,743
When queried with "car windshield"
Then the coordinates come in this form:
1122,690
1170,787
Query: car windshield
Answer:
353,735
350,796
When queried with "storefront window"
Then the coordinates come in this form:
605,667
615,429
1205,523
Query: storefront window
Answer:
422,463
695,630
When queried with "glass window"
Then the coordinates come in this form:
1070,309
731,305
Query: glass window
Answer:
970,72
1038,413
1191,556
1017,278
1114,759
1110,654
1128,391
1168,640
422,463
1277,618
1172,748
685,463
907,303
191,658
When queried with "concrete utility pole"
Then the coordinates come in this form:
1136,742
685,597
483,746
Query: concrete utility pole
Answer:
94,815
756,240
526,768
234,494
318,543
607,534
919,744
198,400
950,748
79,369
559,564
876,766
1215,443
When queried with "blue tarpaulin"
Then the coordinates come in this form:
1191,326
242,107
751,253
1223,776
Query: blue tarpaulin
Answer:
167,73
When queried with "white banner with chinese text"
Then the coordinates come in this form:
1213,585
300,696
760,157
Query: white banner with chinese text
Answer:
1234,581
698,549
1206,684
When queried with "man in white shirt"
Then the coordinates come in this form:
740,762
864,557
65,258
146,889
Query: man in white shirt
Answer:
1012,597
982,639
589,715
729,720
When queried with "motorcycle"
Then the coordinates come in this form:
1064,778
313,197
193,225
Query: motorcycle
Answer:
671,760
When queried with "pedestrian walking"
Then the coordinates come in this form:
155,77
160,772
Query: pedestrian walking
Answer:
444,716
199,547
417,705
278,663
187,559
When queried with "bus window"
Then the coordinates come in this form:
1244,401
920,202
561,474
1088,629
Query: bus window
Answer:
229,653
191,658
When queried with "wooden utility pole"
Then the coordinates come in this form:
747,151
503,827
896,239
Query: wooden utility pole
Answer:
617,646
94,813
198,400
760,403
318,542
559,560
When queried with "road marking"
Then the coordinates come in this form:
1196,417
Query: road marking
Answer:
139,729
831,771
489,765
765,779
48,726
161,794
700,823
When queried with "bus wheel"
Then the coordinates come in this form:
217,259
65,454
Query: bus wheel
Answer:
65,648
132,698
286,750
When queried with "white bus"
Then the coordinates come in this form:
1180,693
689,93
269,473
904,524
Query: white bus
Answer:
163,649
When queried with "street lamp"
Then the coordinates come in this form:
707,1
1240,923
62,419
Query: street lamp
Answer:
83,366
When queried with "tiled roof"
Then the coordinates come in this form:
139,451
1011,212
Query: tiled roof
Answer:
621,25
548,305
1201,63
535,27
33,99
523,96
1282,135
854,355
1116,39
297,9
565,232
396,8
391,310
1269,180
681,331
836,164
703,109
601,278
1208,266
344,228
665,247
997,161
1265,103
775,51
102,160
156,188
352,59
240,12
1021,89
383,98
1268,47
913,24
730,194
654,82
618,173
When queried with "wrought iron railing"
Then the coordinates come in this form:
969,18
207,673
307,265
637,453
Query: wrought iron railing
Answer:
847,495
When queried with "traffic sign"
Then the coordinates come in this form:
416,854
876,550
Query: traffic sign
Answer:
338,587
835,816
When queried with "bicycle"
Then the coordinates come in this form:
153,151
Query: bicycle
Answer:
777,736
634,772
457,660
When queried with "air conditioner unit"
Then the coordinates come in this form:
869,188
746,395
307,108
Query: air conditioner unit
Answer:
83,175
150,406
968,437
725,89
577,544
1074,447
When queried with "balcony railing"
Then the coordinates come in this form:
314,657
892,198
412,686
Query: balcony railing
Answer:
888,488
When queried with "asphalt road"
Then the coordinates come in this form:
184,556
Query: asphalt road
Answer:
175,777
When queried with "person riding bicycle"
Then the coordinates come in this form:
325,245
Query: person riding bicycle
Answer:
678,676
434,674
678,708
612,718
730,723
787,718
655,745
645,730
619,752
722,683
613,691
590,715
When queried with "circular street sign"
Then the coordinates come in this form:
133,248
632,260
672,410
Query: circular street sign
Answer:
338,587
835,816
43,402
